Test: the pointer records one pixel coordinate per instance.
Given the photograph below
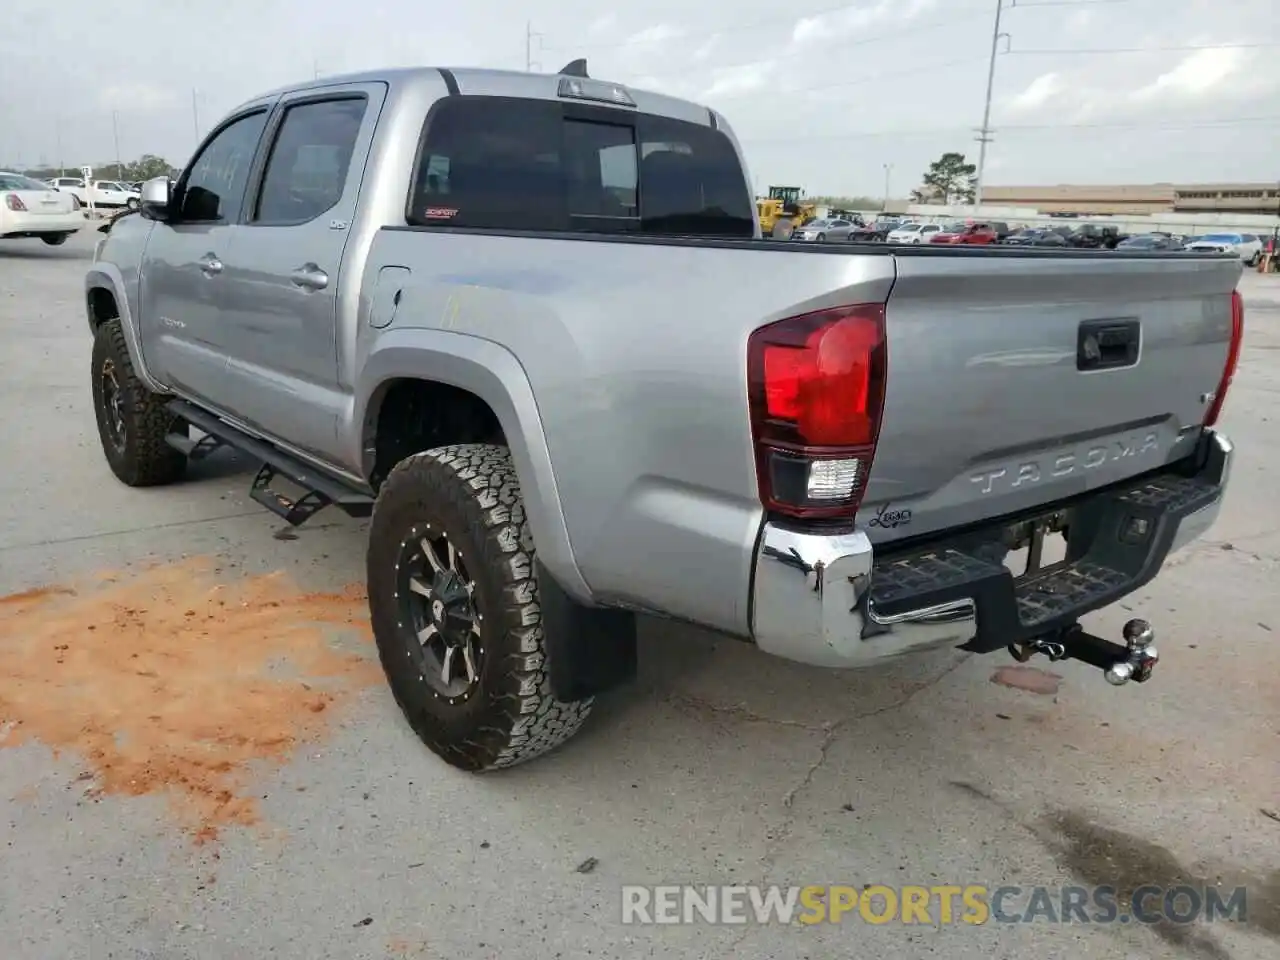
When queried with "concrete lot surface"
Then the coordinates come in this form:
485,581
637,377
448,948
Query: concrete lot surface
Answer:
200,759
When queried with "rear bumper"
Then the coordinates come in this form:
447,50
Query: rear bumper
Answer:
827,599
20,224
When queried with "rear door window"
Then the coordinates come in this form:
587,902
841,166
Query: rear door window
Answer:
517,164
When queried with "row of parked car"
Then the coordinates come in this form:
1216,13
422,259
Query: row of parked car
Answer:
1086,236
102,193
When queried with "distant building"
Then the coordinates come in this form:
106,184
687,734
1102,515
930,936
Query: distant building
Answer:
1244,198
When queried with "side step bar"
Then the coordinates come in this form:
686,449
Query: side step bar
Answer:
323,490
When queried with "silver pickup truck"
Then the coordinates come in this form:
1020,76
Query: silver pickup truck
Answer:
527,323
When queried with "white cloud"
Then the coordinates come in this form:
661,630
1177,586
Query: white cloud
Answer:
706,48
845,23
602,25
1080,22
658,33
136,97
1199,74
736,81
1040,91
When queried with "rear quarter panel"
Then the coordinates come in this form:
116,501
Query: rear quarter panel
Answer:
636,354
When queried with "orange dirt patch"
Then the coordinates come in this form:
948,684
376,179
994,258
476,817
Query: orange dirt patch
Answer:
168,681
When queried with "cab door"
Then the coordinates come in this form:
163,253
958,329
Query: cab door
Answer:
183,277
283,284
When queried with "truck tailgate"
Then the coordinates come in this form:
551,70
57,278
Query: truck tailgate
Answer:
1017,381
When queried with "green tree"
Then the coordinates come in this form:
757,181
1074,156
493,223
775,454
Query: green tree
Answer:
145,168
949,179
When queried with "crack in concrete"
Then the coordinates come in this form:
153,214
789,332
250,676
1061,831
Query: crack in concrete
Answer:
830,734
736,712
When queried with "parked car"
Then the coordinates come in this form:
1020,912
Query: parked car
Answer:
1036,237
1151,241
1090,236
876,232
103,193
1246,246
31,209
821,231
481,361
913,233
965,233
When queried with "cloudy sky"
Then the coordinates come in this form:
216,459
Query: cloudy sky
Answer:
823,95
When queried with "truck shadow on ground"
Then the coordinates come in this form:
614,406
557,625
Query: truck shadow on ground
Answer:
10,250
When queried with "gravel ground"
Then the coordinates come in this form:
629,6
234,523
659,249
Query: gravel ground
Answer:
201,760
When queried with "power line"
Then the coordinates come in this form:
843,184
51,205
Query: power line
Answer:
1064,3
757,24
873,77
808,51
1031,128
1160,49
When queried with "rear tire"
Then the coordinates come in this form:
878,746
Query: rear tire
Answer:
55,239
132,421
464,502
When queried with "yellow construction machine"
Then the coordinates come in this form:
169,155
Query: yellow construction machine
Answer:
783,204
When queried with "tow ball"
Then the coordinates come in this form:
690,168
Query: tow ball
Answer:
1135,660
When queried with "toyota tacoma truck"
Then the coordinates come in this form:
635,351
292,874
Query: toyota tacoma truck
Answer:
527,324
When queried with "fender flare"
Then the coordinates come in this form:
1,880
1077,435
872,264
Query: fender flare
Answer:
491,372
107,276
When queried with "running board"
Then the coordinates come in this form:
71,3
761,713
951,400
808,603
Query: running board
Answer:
322,489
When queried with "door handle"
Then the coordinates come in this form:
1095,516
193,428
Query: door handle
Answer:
210,265
309,277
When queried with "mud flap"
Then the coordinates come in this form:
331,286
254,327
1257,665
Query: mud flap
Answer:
589,649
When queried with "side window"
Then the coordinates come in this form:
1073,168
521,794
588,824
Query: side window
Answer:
214,185
491,162
691,181
307,170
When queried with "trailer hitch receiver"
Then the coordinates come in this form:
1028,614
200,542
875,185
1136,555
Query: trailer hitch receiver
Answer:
1134,660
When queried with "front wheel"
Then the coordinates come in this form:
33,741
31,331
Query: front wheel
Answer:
453,598
822,237
133,422
131,204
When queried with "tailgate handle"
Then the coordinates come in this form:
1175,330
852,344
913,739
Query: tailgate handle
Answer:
1107,344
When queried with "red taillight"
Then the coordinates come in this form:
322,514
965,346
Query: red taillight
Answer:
816,387
1233,357
14,202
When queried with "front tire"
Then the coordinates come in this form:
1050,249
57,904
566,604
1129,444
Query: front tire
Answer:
451,567
132,421
131,204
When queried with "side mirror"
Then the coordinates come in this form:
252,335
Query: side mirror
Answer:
156,194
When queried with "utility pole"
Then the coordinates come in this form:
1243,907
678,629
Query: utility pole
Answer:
195,114
115,134
984,133
57,133
884,206
531,35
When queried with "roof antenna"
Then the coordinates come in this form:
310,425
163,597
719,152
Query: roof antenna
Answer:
576,68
